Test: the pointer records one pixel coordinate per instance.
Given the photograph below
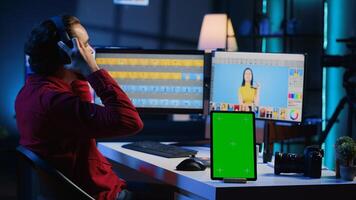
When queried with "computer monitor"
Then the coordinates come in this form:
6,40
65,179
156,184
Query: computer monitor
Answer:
157,81
269,84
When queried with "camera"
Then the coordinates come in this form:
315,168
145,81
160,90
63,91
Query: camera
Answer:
309,163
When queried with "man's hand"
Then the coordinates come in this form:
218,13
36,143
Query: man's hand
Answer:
83,61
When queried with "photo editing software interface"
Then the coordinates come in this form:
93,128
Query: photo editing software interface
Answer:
157,78
268,84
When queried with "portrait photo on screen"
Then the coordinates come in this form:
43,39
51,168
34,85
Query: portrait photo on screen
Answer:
265,86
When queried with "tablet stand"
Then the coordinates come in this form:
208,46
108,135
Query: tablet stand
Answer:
235,180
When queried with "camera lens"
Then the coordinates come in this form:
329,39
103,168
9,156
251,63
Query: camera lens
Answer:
288,163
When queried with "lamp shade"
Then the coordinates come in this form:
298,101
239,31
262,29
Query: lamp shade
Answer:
216,32
231,39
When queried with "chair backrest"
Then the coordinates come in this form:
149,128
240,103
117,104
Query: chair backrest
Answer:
52,183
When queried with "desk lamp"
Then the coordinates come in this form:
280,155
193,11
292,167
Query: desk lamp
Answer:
217,33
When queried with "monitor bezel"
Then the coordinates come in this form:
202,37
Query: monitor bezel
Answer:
266,119
159,110
212,149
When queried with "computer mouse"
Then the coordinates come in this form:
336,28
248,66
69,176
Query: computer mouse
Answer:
191,164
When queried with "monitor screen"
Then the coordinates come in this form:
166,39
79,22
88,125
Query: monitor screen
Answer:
233,152
169,81
269,84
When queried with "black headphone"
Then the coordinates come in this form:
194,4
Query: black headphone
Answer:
64,37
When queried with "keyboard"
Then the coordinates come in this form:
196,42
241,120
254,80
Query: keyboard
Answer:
159,149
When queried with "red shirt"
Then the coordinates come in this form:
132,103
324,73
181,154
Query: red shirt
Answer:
58,122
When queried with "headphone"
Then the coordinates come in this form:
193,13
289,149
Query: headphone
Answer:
64,37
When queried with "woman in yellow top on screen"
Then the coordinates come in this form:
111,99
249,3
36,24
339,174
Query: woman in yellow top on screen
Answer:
248,94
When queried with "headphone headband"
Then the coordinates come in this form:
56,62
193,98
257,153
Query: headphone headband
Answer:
64,37
58,22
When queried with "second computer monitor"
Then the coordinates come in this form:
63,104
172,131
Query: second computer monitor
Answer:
269,84
157,81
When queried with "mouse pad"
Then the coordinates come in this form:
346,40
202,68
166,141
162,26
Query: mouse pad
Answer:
233,145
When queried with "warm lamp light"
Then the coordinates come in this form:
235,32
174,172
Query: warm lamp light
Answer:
217,33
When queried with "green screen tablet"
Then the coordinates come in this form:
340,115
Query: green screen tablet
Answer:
233,145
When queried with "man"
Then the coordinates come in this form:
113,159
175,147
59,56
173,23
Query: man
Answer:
54,113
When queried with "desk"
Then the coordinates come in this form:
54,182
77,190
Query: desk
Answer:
198,185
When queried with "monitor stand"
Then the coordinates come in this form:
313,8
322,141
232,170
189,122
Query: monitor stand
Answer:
235,180
267,152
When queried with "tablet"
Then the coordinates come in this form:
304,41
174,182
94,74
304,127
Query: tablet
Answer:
233,145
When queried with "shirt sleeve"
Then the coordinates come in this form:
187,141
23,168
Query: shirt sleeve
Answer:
82,89
74,116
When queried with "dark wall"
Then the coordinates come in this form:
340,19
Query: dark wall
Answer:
162,24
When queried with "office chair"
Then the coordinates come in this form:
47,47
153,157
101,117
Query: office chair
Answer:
37,179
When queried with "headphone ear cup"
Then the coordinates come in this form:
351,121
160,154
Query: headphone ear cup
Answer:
65,58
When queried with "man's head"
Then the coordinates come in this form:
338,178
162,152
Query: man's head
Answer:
41,46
